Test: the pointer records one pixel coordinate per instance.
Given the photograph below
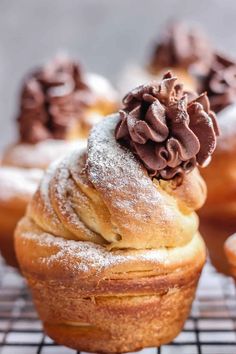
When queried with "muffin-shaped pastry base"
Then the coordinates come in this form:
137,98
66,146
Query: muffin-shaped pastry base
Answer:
16,188
230,253
97,300
218,215
215,233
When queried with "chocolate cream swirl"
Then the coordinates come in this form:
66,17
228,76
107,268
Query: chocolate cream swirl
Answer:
182,47
220,83
52,97
169,132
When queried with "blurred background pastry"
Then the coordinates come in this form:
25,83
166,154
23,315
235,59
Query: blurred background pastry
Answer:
218,216
230,253
183,49
112,231
59,104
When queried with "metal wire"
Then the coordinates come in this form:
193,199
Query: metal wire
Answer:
210,329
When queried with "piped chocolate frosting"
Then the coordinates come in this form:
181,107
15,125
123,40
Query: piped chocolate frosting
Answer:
52,97
182,47
220,83
169,131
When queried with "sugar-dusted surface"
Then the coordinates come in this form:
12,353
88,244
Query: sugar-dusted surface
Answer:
114,168
143,213
41,154
227,124
90,257
101,87
18,182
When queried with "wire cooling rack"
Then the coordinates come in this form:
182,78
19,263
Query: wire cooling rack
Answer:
210,329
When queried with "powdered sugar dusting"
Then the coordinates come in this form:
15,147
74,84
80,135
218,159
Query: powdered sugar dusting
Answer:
62,190
227,124
40,155
93,258
17,182
113,168
100,86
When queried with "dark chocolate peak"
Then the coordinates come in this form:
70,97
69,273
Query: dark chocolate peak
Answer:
220,83
169,131
52,97
182,47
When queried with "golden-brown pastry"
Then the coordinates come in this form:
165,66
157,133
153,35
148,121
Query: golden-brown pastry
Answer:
218,216
20,173
110,244
16,188
59,104
230,252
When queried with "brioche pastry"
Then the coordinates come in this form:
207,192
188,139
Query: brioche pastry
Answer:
217,217
58,106
109,244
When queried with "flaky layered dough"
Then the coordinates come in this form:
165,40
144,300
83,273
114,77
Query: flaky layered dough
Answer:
93,299
104,195
112,257
21,170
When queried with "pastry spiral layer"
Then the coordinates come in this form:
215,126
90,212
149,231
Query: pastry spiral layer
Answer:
123,248
106,196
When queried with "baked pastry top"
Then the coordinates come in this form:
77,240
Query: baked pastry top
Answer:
107,195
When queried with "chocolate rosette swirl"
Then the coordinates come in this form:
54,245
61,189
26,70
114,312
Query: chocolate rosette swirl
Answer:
170,133
52,98
220,84
182,47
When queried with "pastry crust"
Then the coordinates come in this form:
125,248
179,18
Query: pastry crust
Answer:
97,300
112,257
230,252
218,215
20,159
16,188
20,174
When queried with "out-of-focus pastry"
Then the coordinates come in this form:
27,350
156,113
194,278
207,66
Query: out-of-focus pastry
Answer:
58,106
185,50
110,244
230,253
218,216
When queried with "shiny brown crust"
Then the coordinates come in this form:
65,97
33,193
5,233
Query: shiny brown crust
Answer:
112,257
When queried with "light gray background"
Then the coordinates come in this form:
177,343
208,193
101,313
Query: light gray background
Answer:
102,34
